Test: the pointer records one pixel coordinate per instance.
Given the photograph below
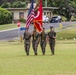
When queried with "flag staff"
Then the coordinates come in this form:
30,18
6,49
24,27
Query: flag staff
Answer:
45,3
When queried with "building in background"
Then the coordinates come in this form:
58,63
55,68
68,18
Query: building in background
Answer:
23,12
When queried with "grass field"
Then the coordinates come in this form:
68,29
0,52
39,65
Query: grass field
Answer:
13,60
66,34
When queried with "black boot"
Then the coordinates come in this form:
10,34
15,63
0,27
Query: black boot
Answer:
43,53
27,54
35,53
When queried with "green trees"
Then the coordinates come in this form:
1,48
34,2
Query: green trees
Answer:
67,8
5,16
16,4
71,8
10,1
6,5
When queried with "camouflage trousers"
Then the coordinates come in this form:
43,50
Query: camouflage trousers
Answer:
27,47
35,46
52,46
43,46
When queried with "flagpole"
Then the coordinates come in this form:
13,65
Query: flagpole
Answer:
45,3
18,32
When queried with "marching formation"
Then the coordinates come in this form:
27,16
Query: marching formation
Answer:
35,16
41,38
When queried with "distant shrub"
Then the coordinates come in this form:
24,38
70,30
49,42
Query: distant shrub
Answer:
64,18
6,5
22,20
15,4
18,4
5,16
73,18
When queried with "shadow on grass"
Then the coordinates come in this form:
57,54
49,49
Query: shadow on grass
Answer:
34,55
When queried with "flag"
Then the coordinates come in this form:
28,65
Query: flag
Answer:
38,18
30,16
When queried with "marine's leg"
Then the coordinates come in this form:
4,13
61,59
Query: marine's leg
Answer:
53,46
44,45
50,44
33,45
36,46
25,46
41,46
28,47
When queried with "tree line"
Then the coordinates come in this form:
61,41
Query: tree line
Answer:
67,8
10,1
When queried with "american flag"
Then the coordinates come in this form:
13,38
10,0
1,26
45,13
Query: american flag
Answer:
30,16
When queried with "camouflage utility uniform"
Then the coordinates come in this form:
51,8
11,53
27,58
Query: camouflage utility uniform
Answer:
51,35
27,37
35,37
43,42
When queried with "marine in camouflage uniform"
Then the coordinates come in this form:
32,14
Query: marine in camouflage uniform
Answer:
52,36
27,37
43,41
35,39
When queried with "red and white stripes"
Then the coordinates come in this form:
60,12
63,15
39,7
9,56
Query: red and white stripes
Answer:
30,18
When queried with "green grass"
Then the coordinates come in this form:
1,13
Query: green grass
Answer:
9,26
13,60
66,34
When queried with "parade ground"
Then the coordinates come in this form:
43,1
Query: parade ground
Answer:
37,37
13,60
